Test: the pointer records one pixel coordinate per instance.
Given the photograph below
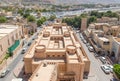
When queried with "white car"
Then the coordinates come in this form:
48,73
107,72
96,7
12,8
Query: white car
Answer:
84,41
111,68
105,69
77,31
90,48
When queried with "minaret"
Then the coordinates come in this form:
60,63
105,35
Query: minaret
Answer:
83,24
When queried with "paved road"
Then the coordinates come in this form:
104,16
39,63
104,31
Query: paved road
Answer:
78,12
17,60
95,71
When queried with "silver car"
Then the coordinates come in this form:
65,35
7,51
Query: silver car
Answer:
103,60
4,73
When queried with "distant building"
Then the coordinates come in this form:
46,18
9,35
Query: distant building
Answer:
111,21
56,55
10,39
40,2
106,20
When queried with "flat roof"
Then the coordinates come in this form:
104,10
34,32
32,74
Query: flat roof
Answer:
2,34
73,61
97,31
72,56
115,27
101,23
103,38
44,73
6,29
50,60
17,79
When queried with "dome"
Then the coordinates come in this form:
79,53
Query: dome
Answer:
71,49
40,48
66,34
46,34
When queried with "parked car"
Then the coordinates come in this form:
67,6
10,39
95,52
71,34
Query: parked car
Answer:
113,79
103,60
33,38
111,68
29,43
105,69
23,50
96,55
90,48
82,38
77,31
4,73
84,41
87,44
81,35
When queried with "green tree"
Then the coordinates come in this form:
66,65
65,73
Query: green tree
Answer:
3,19
92,19
26,15
93,13
83,15
74,22
43,10
41,21
116,69
20,11
111,14
31,18
52,17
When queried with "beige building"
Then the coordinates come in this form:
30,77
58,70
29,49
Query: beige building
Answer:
100,40
10,36
56,55
115,49
105,37
106,20
98,34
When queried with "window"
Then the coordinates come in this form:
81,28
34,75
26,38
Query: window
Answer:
8,42
13,38
53,55
16,36
19,33
106,43
48,55
1,48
